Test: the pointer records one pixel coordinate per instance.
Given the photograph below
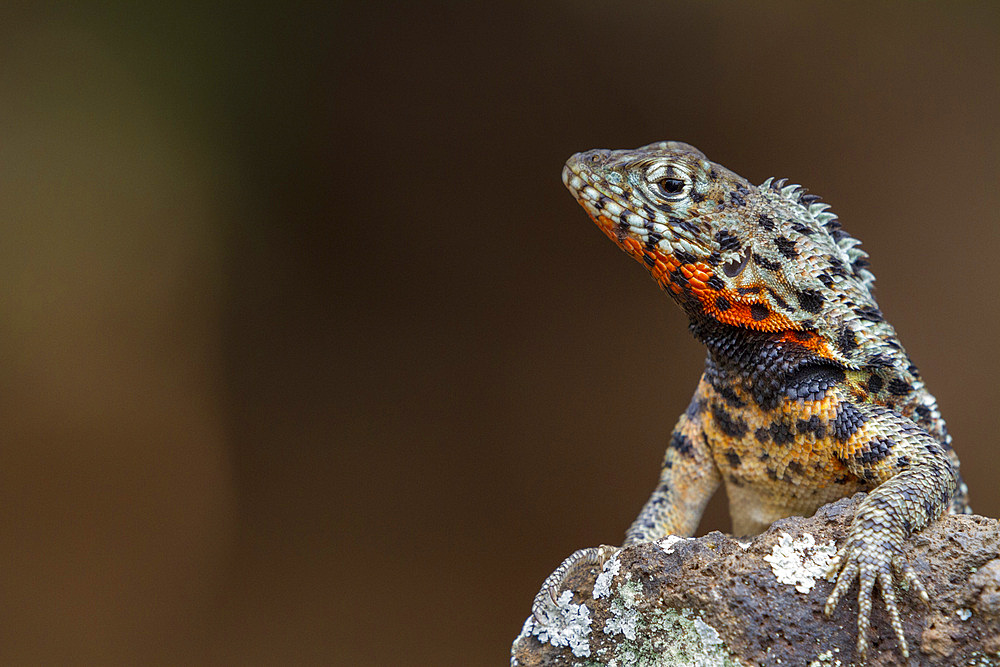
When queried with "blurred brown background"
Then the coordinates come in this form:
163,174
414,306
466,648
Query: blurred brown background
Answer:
309,358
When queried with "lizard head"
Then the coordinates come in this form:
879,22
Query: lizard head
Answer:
756,257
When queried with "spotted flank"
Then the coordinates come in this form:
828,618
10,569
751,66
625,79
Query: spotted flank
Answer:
807,394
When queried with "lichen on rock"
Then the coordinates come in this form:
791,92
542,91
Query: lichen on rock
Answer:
713,601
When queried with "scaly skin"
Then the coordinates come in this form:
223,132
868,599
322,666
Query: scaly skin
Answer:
807,394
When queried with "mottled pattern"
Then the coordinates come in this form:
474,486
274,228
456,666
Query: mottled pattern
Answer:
807,394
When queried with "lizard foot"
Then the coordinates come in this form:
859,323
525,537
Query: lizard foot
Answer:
871,561
584,558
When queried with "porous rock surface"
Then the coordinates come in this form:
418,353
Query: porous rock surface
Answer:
713,601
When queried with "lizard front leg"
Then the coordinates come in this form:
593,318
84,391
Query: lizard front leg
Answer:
688,479
916,481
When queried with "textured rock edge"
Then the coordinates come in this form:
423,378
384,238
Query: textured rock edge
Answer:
714,601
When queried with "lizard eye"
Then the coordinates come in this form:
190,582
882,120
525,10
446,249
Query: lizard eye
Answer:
671,188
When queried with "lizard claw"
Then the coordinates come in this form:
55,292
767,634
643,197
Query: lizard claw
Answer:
549,593
872,565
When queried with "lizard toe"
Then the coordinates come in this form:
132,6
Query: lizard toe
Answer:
548,596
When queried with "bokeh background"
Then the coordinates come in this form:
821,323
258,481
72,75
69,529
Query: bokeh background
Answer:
309,358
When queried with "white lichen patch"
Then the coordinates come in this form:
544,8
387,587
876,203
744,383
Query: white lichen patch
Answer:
668,542
668,638
801,562
624,620
625,616
602,587
563,624
964,614
708,634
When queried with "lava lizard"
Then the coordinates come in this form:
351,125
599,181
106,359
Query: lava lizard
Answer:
807,395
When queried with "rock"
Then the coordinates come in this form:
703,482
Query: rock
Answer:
714,601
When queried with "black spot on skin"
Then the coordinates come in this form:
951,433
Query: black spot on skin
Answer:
715,282
684,257
763,456
899,387
786,247
649,260
759,311
811,300
722,303
875,384
812,425
765,222
846,340
860,263
813,384
748,290
923,411
765,263
727,241
839,235
697,197
772,474
879,361
802,335
621,231
869,313
903,462
714,258
733,427
825,279
733,458
762,435
737,198
681,443
781,434
875,450
731,397
687,225
664,206
796,468
802,229
652,240
808,199
847,422
649,212
837,267
713,175
778,300
841,480
677,277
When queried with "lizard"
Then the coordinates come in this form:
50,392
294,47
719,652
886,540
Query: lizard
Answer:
807,394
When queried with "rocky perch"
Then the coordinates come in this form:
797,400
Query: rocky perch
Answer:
714,601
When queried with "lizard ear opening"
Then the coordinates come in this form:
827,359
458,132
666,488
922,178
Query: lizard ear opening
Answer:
735,268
